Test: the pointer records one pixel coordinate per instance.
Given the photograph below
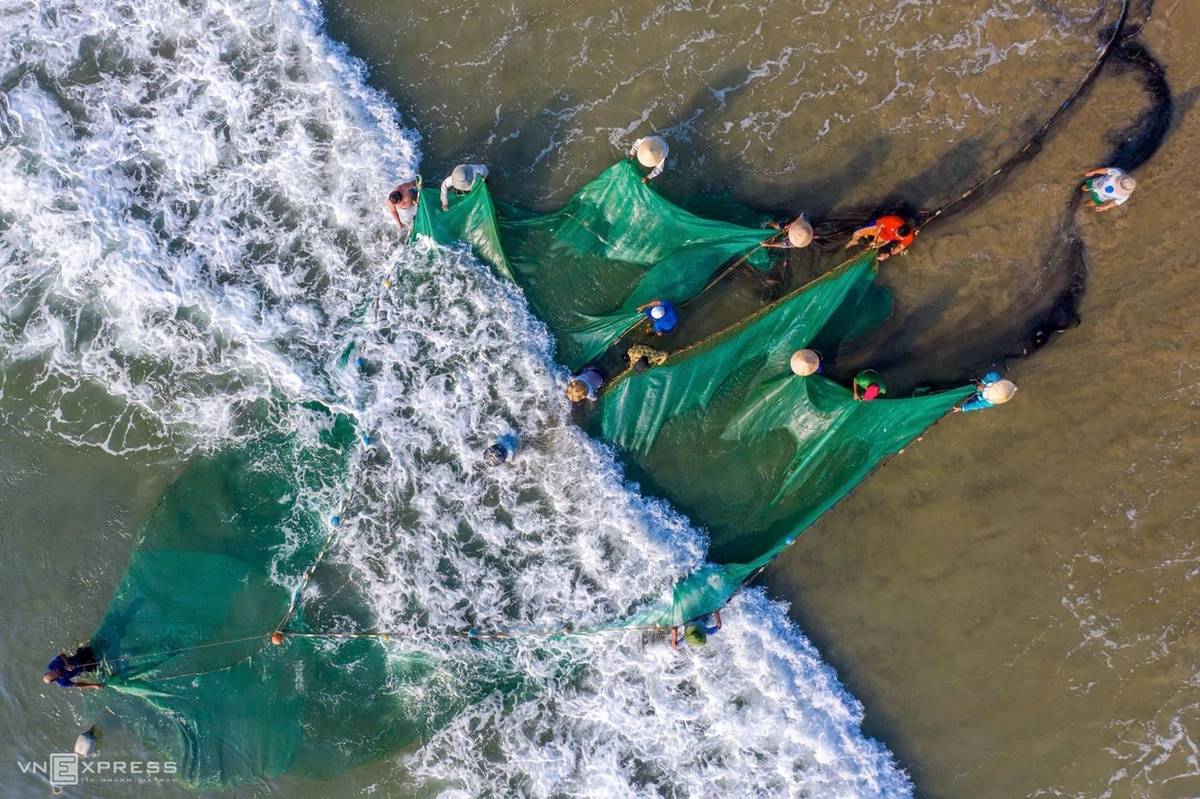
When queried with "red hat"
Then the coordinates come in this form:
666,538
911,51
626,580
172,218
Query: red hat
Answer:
872,392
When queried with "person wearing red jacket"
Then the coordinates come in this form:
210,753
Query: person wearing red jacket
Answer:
891,235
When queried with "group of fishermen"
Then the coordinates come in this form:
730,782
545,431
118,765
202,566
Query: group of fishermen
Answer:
1106,188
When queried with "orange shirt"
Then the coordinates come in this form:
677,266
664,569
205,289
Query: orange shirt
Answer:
887,229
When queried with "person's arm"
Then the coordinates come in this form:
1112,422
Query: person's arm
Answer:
674,637
854,389
445,198
633,149
717,616
396,215
1101,171
88,685
650,304
656,171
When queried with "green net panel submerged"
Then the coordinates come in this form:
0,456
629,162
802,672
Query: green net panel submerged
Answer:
186,639
730,436
586,268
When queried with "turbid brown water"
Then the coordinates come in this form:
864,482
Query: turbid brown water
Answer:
1014,597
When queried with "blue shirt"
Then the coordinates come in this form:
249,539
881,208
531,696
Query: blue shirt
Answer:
669,318
70,669
977,402
593,379
708,624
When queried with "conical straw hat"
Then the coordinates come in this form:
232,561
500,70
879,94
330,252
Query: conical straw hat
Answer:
463,177
800,232
1126,183
805,362
999,392
576,390
651,151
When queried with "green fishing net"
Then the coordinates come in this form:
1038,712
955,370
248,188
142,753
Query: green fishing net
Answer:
586,268
729,435
185,643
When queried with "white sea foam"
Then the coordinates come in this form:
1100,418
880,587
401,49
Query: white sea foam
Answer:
191,224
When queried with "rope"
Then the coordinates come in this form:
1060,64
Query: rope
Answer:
381,635
683,352
1038,137
474,635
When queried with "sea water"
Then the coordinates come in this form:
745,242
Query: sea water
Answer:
191,230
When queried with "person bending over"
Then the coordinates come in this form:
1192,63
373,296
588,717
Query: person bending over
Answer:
462,180
65,668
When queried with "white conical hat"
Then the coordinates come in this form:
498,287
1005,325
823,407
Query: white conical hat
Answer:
805,362
463,177
999,392
800,232
1127,183
651,151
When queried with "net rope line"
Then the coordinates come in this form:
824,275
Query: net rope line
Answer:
684,351
1037,138
722,273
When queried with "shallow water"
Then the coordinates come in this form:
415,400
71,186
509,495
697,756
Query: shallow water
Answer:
191,216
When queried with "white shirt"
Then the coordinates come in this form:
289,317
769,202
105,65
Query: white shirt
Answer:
658,169
481,172
1107,186
407,215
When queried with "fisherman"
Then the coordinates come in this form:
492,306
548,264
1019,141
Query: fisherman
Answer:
65,668
402,202
805,363
1108,187
992,390
697,632
799,234
641,357
661,315
651,152
495,455
872,387
462,179
891,235
585,385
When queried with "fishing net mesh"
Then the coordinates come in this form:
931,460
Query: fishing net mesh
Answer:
587,267
727,433
185,643
722,429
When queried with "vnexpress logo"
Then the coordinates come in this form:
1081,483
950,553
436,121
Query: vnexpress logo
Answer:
64,769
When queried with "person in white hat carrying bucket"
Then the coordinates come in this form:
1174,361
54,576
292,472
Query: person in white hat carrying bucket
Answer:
992,390
651,152
462,179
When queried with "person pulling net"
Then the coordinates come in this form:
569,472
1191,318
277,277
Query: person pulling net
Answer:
587,268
